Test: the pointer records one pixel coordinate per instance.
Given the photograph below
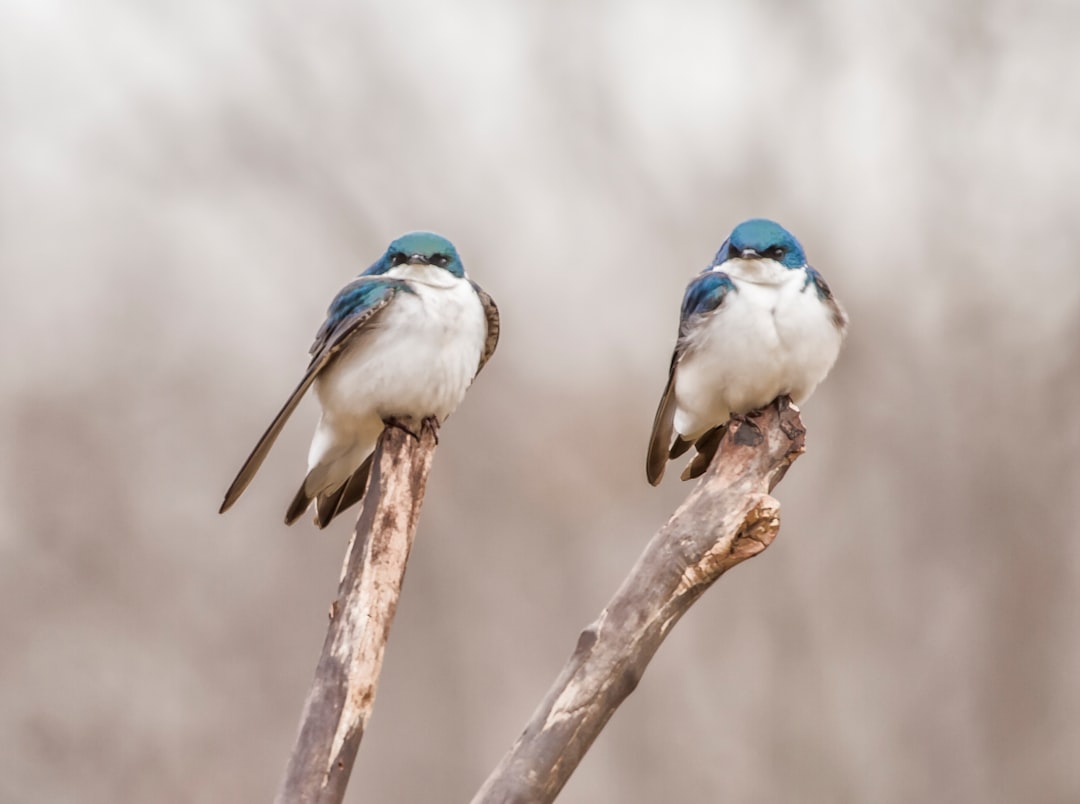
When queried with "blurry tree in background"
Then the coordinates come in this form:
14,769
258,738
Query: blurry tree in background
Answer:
183,187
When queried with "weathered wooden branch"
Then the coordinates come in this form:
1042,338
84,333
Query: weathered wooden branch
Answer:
728,518
343,693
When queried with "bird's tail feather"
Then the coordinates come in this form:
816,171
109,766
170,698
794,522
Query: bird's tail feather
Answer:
706,446
328,506
328,502
678,447
298,505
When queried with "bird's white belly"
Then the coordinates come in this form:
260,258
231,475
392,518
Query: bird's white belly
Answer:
764,341
417,359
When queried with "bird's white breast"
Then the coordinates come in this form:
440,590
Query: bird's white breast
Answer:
417,358
772,335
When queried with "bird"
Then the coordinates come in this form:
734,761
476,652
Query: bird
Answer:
401,343
758,323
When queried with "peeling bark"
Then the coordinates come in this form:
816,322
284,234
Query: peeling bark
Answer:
343,692
728,518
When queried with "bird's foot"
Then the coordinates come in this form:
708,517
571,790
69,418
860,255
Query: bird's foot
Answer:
401,424
427,423
745,430
431,423
790,425
782,402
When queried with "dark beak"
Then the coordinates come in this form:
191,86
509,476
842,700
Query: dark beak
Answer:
417,259
734,253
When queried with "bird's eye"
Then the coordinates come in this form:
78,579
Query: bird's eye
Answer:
397,258
440,260
777,252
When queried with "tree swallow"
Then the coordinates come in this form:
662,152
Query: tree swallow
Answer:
401,343
757,324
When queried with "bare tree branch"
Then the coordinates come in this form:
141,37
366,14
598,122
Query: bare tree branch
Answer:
728,518
343,693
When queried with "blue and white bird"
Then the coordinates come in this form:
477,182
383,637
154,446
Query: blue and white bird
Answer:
401,343
757,324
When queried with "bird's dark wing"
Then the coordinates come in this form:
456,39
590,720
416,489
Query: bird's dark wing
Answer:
703,295
839,317
491,313
353,310
663,425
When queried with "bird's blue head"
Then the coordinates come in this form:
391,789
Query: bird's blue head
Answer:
760,238
420,248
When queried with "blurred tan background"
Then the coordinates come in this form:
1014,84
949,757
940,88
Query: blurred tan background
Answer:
183,188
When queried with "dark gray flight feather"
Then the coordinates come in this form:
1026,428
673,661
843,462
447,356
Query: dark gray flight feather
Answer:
328,344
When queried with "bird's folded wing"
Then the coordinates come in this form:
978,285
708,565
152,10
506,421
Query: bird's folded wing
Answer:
352,310
491,313
662,429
